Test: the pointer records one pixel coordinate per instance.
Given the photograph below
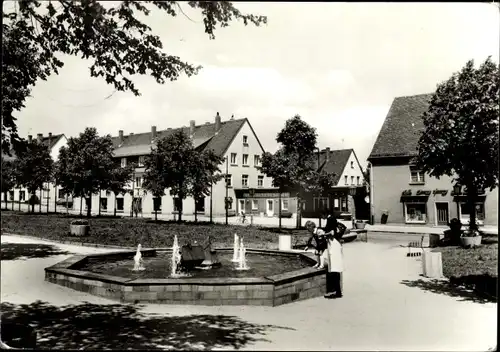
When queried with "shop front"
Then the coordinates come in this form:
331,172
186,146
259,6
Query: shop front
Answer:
267,202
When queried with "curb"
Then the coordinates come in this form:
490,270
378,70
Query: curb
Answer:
404,233
75,243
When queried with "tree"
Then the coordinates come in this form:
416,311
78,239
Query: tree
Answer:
205,174
114,37
460,136
172,161
293,166
34,168
8,178
120,178
89,164
153,180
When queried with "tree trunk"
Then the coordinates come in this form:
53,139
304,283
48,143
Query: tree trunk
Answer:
89,206
195,213
32,201
48,199
471,204
279,209
299,212
55,198
81,205
40,200
99,203
12,204
114,210
19,200
67,209
180,209
5,199
211,187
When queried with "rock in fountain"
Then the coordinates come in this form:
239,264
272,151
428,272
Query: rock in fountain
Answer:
176,257
236,249
138,262
242,261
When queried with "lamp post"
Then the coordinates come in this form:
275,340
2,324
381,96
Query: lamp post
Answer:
320,207
352,193
226,200
211,197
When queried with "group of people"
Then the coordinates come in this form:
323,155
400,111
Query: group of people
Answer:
328,251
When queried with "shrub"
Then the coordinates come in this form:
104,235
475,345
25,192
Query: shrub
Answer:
79,222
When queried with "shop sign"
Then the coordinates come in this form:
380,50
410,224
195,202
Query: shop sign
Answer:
406,193
442,192
422,192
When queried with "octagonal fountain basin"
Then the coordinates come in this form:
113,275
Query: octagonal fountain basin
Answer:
273,278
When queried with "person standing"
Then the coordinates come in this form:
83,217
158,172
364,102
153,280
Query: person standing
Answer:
331,222
334,259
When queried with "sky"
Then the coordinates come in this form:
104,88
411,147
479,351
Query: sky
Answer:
337,65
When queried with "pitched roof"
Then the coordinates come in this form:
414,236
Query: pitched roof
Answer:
50,142
336,162
402,127
204,136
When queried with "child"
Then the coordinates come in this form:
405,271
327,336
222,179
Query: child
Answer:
319,236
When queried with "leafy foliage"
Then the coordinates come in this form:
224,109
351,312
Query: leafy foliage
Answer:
460,138
8,176
170,165
34,166
293,167
114,37
86,165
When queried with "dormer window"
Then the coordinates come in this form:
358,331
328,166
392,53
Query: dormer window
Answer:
245,140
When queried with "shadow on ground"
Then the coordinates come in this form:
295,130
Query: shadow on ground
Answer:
477,288
13,251
116,326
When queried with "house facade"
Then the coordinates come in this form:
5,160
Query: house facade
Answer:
49,195
403,193
234,139
344,164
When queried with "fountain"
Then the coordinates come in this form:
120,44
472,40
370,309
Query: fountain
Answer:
236,250
242,260
138,262
176,258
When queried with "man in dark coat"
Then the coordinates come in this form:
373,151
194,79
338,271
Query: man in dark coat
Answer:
331,222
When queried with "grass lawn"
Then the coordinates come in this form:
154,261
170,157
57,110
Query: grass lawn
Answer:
131,231
475,267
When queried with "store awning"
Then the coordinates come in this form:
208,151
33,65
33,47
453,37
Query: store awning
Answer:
259,193
463,198
414,199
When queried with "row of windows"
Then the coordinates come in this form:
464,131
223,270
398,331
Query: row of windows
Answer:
416,212
358,180
244,180
234,160
255,204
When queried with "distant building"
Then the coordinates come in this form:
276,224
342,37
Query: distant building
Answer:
344,164
405,193
234,139
49,195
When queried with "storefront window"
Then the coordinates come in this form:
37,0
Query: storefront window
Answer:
465,213
415,212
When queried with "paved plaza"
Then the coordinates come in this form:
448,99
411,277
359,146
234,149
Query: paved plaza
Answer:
387,306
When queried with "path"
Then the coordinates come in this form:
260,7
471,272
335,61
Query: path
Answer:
376,313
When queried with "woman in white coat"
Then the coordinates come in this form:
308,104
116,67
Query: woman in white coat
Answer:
335,261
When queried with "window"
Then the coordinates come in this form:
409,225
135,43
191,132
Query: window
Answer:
320,203
245,140
465,213
177,204
245,159
46,193
200,205
343,206
22,196
352,180
260,181
138,182
119,204
140,162
417,176
157,204
284,204
357,180
256,160
345,179
244,180
11,195
124,162
230,204
104,204
61,194
233,159
229,180
415,212
242,206
255,204
352,164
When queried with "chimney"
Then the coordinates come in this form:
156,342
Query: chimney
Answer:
191,128
327,154
217,122
153,133
131,133
30,139
232,117
120,134
39,137
50,138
